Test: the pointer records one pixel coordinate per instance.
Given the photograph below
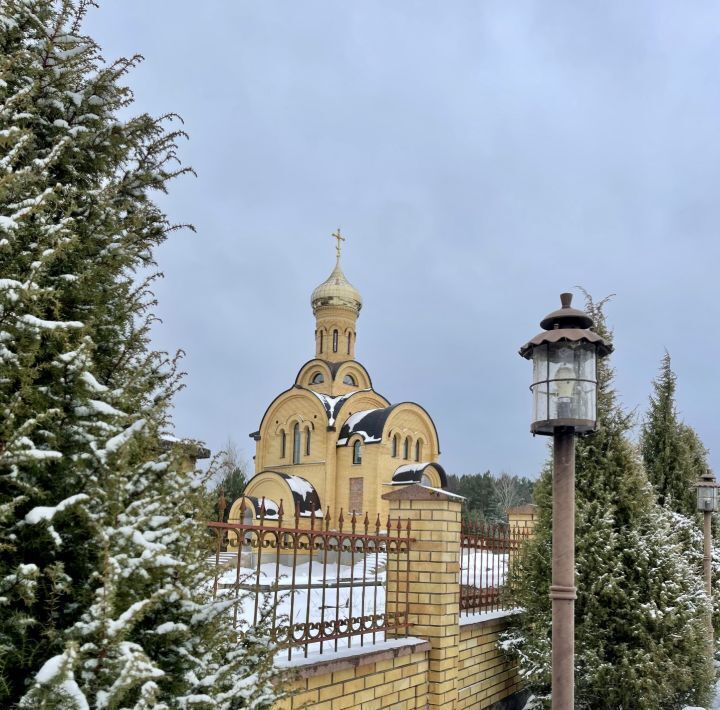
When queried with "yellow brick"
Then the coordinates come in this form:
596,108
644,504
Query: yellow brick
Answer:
364,696
330,691
343,675
351,686
393,675
388,698
344,701
316,681
309,696
374,680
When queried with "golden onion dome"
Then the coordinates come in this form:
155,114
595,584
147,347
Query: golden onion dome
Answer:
336,290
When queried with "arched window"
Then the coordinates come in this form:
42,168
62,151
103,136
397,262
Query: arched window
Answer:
357,452
406,448
307,442
395,445
321,341
349,380
317,378
349,338
335,341
283,443
418,449
296,443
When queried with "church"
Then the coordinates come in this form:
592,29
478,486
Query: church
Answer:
331,442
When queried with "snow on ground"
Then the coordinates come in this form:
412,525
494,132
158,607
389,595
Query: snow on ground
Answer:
715,704
483,569
316,593
336,590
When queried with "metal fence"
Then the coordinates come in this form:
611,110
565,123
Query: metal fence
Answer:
487,551
320,583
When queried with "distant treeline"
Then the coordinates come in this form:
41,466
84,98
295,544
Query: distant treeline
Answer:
488,497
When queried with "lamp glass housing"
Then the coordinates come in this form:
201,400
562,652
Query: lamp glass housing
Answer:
707,497
564,386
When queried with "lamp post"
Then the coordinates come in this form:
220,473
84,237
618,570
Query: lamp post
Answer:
706,489
564,391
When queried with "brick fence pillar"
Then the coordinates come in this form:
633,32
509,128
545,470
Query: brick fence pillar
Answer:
432,581
523,516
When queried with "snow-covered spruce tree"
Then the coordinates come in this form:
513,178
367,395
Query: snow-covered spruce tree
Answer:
673,460
104,596
640,613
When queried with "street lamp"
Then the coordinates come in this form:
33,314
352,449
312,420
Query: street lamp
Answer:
564,391
706,489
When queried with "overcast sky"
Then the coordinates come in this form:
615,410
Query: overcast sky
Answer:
481,157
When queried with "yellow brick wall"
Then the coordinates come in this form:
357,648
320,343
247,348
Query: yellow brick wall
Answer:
484,674
397,683
484,677
523,516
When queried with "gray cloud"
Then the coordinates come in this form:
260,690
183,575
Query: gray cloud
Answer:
481,157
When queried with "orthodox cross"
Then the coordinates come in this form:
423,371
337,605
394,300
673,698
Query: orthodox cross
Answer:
339,238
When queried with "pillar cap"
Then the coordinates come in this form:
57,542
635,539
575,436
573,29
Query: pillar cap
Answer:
416,491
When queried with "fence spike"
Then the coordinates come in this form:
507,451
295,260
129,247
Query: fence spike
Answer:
312,515
366,523
377,525
341,520
281,511
327,519
243,507
408,526
353,521
262,510
297,515
388,524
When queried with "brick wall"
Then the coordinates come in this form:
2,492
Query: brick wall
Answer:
523,516
395,679
453,663
485,676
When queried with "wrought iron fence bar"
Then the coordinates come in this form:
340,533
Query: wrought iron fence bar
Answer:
337,576
324,580
487,553
241,549
310,561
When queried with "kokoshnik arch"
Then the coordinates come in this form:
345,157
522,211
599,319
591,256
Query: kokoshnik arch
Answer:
331,442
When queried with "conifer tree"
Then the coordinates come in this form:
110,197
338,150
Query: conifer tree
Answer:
675,458
105,600
639,616
672,453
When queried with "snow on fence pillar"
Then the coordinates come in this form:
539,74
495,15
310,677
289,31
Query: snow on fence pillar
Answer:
431,580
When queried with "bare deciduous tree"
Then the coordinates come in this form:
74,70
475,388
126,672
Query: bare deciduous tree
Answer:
507,491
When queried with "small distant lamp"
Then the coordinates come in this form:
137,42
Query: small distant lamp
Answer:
706,489
564,388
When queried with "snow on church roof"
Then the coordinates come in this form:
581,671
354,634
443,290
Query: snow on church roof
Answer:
369,424
354,425
413,473
332,404
305,497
